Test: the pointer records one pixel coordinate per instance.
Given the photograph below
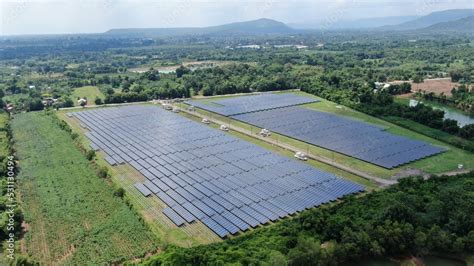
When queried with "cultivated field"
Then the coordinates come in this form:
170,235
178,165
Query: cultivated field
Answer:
71,214
438,86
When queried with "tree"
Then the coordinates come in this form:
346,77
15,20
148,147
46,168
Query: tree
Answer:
68,102
152,75
450,126
417,79
467,132
35,105
306,252
98,101
181,70
109,91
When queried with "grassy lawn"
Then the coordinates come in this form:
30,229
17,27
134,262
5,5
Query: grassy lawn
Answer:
72,215
447,161
89,92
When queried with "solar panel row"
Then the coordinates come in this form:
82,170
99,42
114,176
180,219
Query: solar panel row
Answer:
350,137
252,103
204,174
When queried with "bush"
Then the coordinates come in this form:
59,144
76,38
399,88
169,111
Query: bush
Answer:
103,172
98,101
119,192
90,155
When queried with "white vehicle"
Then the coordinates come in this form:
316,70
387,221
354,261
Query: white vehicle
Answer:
191,108
206,121
224,128
168,107
176,110
301,156
265,133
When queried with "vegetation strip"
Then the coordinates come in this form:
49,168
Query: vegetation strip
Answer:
72,214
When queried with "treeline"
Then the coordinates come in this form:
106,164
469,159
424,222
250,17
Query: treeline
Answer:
415,217
10,221
147,86
239,78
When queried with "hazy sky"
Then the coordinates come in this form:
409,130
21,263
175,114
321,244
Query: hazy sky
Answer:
88,16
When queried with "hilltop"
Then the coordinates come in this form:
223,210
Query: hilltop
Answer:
257,27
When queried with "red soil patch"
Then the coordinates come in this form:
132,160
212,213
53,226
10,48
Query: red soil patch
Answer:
432,85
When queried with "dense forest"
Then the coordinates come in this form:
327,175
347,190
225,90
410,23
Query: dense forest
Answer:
343,68
415,217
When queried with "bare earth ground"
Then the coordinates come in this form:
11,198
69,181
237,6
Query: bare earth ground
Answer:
431,85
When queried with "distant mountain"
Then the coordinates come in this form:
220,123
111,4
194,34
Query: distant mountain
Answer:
260,26
461,25
432,19
356,24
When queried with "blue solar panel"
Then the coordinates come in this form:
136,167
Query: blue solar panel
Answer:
203,173
177,220
145,191
193,210
252,103
350,137
225,223
215,227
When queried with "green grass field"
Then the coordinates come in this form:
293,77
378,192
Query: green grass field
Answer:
444,162
71,214
89,92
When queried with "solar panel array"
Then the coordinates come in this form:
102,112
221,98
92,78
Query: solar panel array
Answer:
204,174
251,103
350,137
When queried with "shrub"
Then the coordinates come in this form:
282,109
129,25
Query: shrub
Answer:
103,172
90,155
119,192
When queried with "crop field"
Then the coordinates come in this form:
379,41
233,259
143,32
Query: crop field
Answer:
89,92
444,162
150,208
71,214
437,86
